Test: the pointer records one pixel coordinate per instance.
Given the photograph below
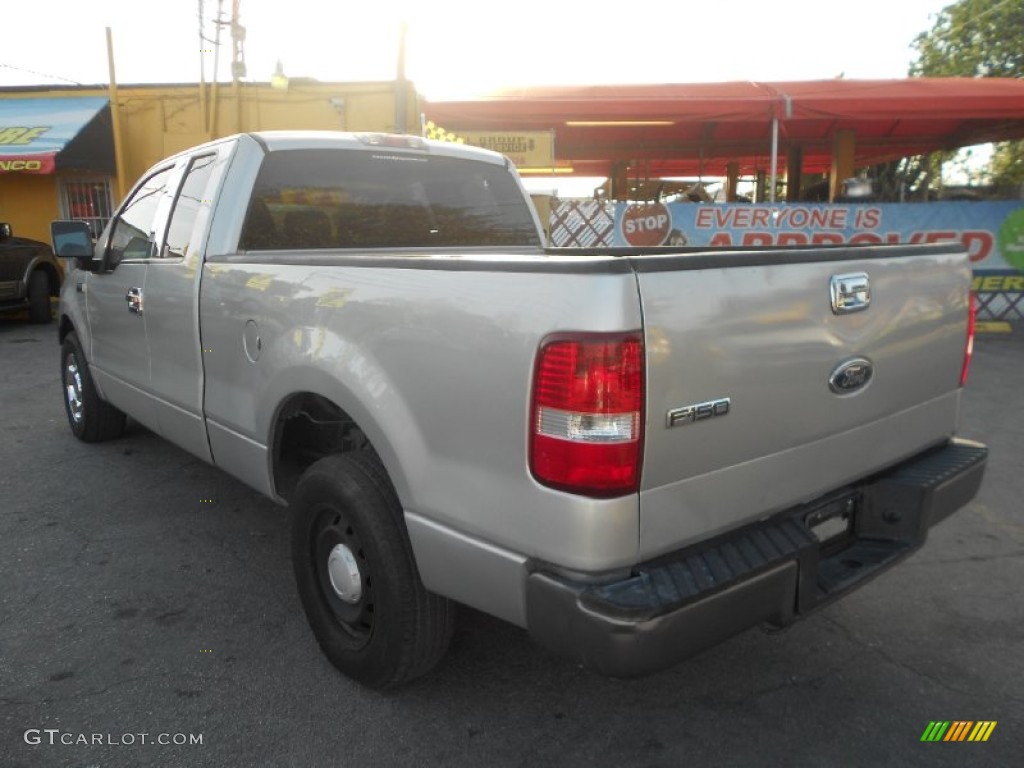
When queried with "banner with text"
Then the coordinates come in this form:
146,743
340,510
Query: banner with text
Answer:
991,232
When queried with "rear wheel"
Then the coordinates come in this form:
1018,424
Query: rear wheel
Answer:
91,418
357,578
39,297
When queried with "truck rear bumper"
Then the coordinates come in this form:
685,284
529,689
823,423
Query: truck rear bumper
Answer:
773,571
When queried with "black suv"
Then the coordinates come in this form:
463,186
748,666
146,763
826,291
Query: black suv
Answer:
29,275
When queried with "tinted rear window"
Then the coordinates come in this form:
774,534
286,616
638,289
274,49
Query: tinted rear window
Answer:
335,198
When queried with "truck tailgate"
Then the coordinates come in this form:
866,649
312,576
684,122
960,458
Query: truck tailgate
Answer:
758,330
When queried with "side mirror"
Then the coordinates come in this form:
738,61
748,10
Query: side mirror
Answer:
6,231
72,240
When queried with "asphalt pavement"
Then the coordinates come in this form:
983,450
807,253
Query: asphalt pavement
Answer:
147,600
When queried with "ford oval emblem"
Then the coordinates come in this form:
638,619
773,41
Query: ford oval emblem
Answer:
850,376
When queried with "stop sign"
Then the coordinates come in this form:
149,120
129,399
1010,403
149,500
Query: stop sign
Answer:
646,224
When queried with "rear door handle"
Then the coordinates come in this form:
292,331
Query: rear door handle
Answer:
134,298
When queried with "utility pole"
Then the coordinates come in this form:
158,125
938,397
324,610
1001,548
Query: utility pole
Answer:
115,120
237,61
400,81
218,23
203,121
237,43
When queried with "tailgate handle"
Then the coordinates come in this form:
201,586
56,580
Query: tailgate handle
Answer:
850,293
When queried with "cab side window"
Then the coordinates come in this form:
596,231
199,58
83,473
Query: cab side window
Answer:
133,237
187,206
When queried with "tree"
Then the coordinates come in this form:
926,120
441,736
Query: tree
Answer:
978,38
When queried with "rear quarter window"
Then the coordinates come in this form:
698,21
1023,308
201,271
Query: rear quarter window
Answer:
331,198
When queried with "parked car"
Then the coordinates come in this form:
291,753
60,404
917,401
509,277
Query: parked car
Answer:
29,275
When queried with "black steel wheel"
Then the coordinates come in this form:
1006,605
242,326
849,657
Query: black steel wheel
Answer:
91,418
357,578
343,572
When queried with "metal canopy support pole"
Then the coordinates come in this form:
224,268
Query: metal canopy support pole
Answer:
787,106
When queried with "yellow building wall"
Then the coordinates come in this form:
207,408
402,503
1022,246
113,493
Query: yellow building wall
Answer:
28,202
160,120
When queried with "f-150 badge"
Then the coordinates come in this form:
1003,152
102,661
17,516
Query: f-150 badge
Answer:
688,414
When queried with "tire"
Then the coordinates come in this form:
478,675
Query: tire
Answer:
91,418
369,611
39,297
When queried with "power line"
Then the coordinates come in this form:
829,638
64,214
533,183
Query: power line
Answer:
39,74
992,8
962,25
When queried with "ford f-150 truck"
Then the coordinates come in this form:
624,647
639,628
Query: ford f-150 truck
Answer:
631,453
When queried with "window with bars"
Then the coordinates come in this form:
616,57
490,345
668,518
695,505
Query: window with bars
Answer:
87,200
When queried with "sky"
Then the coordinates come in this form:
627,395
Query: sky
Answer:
462,48
458,49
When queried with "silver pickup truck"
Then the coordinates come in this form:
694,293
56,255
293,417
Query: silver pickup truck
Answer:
631,453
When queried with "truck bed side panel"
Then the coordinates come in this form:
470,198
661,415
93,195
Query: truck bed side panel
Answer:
435,366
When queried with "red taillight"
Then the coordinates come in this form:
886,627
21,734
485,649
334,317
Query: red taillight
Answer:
969,345
586,423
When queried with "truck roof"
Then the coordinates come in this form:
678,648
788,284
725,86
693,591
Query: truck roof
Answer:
273,141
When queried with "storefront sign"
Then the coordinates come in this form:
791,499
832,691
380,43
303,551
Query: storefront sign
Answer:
28,164
527,149
19,135
34,131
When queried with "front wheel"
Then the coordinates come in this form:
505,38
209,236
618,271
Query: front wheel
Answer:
91,418
357,578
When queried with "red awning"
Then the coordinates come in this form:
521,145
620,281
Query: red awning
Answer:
697,128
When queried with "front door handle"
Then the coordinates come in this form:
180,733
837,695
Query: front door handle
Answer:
134,298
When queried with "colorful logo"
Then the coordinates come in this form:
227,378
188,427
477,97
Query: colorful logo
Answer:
1011,239
958,730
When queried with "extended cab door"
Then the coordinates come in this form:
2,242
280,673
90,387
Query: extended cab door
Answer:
115,298
172,303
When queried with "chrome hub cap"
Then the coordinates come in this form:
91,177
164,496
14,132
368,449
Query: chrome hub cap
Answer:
343,571
73,389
